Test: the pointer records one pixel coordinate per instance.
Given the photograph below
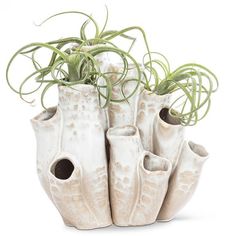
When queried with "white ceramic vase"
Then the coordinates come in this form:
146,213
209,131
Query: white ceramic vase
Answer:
149,105
105,66
71,157
138,179
184,180
168,137
123,113
152,172
47,128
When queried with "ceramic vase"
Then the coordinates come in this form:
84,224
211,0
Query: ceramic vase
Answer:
71,157
46,126
184,180
149,105
138,179
123,113
168,136
105,64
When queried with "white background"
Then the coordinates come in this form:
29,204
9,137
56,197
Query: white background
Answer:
185,31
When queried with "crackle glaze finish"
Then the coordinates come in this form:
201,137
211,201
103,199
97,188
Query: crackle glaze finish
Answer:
138,179
76,133
149,105
184,181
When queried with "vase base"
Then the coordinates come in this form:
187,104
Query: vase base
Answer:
68,224
165,220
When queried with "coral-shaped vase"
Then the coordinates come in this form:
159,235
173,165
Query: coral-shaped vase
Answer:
184,180
138,179
47,129
149,105
71,157
123,113
168,137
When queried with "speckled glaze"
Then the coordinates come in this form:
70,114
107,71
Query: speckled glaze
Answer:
152,172
75,132
184,181
46,126
149,105
168,137
105,65
138,179
123,113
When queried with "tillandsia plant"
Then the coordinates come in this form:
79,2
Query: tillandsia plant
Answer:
70,64
192,85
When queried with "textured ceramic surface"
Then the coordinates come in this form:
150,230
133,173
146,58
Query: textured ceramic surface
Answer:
47,130
105,65
123,113
184,180
151,174
75,133
138,179
149,105
168,137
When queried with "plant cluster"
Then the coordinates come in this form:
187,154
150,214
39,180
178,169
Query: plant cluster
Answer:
70,64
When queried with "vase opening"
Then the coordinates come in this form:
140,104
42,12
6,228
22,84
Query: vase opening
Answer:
46,114
151,163
198,149
62,169
165,116
123,131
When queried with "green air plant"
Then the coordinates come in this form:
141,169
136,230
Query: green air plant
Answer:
191,85
69,64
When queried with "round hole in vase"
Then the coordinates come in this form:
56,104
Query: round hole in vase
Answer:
62,169
169,119
198,149
152,163
47,115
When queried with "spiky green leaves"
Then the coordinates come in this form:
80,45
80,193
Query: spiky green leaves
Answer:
74,60
192,86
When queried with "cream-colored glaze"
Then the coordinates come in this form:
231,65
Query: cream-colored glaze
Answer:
105,64
46,126
149,105
168,137
123,113
144,151
184,180
75,132
138,179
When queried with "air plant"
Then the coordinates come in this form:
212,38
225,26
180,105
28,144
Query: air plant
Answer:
69,64
191,85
